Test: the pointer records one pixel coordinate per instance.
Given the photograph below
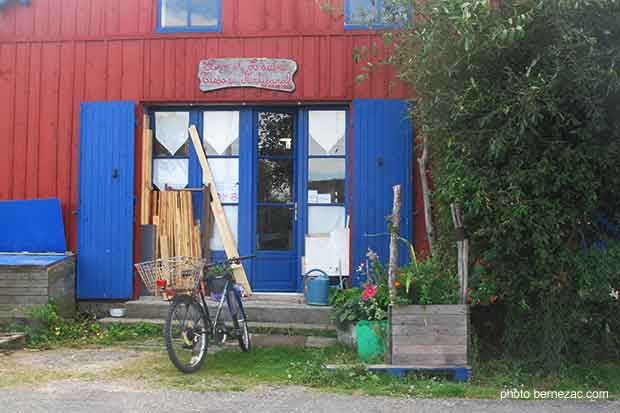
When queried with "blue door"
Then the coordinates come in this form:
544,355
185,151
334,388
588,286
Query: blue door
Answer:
276,207
106,201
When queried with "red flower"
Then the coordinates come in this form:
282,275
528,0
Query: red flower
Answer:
369,292
469,290
493,298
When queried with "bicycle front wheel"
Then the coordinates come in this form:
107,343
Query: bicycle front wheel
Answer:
186,334
240,323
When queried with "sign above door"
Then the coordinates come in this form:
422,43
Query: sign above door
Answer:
262,73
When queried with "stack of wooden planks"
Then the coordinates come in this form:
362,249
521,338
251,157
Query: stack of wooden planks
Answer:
177,232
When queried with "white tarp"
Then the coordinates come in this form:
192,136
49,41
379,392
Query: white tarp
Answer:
172,129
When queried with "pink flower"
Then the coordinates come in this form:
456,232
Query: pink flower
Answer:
369,292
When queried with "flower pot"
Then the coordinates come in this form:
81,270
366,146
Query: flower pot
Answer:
346,334
370,339
428,335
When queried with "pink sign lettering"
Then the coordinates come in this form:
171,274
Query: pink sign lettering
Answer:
262,73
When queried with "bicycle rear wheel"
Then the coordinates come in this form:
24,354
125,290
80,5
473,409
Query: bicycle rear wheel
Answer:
240,323
186,334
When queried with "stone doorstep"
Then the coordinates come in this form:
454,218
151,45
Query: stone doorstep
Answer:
251,324
260,310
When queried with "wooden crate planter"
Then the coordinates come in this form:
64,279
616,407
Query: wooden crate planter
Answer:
433,337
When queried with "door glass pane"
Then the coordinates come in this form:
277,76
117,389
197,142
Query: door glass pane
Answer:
232,216
204,13
275,134
171,172
274,230
226,176
322,220
221,132
275,180
171,130
326,181
327,132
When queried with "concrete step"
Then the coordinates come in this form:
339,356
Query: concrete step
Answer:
326,328
275,310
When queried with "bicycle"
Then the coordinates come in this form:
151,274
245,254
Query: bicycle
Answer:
188,324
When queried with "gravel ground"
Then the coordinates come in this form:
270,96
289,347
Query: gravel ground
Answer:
105,396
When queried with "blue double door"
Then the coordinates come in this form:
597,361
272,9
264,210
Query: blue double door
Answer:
271,213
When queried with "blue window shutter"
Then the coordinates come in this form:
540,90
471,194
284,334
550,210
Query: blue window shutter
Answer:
382,157
106,200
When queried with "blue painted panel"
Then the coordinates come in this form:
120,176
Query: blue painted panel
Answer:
30,260
32,226
382,157
106,200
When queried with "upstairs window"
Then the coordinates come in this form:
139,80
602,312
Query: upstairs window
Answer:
364,14
189,15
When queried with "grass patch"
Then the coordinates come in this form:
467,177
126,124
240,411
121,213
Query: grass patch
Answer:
232,370
46,329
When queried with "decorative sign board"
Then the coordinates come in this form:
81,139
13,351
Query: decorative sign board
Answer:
262,73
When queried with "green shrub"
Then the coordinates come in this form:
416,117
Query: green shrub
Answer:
520,106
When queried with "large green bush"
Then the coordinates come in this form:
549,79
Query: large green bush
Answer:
521,106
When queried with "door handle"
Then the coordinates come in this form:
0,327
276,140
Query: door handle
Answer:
115,173
295,211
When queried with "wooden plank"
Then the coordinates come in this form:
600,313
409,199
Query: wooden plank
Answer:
430,359
429,310
429,339
228,240
434,330
206,223
438,349
427,321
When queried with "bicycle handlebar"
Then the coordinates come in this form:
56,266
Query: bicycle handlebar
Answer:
234,260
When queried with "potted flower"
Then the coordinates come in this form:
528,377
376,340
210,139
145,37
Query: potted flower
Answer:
361,313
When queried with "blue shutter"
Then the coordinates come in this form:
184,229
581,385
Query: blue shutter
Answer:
106,201
382,157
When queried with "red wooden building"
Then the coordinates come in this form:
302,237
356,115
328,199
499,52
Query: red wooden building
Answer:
56,55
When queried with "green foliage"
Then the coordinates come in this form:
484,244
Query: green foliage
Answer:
426,283
45,329
520,106
345,304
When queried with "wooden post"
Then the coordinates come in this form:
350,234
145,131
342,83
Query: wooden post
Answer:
230,246
394,235
463,252
426,196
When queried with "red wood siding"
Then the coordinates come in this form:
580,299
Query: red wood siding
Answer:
55,54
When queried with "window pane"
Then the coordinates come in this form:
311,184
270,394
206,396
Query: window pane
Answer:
322,220
275,228
232,216
327,132
362,11
174,13
395,12
275,133
226,176
204,13
171,172
326,181
171,130
221,133
275,180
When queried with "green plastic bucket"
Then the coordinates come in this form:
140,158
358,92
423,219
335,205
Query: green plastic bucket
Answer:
369,344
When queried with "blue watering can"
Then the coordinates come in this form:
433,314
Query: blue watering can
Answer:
316,287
